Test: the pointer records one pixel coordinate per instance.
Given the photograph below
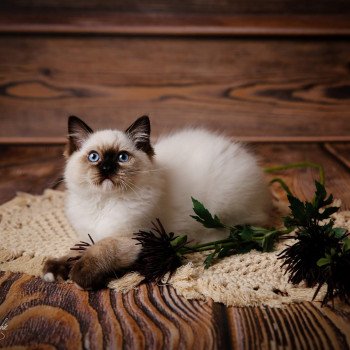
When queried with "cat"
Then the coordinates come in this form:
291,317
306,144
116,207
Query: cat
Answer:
118,182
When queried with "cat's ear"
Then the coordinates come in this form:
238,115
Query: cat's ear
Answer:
78,132
139,132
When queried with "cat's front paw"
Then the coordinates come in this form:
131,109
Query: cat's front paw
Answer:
89,273
57,269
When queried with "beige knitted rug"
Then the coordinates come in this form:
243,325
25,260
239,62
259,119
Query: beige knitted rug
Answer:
35,227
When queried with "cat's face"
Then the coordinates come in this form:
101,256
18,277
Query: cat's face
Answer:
107,160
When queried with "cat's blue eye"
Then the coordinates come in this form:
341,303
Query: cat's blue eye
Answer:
93,157
123,157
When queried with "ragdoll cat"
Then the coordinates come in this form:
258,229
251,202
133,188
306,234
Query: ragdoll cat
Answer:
117,183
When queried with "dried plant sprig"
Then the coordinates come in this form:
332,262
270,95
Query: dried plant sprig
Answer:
320,255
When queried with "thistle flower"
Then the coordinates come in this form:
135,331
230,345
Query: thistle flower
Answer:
160,252
321,254
300,259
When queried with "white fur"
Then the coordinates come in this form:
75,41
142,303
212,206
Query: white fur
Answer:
49,277
194,162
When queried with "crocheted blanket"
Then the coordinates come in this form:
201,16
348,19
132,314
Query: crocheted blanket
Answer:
33,228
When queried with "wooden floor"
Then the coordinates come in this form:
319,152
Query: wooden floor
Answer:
59,315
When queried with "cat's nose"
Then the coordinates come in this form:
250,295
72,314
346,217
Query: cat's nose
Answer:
108,168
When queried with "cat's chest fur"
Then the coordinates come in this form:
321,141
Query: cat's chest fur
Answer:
102,216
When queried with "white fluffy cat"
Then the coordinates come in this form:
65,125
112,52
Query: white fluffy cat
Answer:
117,183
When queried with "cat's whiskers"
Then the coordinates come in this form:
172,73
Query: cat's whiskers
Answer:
123,186
132,184
129,185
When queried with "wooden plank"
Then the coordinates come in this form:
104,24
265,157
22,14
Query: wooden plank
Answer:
168,24
29,169
298,326
149,317
268,7
265,88
154,317
340,152
252,139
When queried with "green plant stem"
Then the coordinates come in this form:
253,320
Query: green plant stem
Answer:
299,165
283,185
214,244
229,242
211,243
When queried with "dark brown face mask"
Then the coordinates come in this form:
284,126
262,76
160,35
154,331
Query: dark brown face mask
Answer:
109,164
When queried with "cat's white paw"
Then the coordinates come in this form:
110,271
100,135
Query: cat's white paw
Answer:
49,277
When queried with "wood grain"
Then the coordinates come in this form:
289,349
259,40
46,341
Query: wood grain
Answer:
149,317
299,326
240,7
340,152
52,141
223,84
170,24
153,317
29,169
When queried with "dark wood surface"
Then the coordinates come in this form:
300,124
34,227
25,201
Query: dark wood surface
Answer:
170,24
209,7
247,87
59,315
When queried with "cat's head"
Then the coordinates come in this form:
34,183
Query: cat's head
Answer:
107,160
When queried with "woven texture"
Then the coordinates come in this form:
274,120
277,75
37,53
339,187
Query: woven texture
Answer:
33,228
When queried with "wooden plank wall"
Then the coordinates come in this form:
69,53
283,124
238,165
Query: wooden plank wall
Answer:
253,69
221,7
247,87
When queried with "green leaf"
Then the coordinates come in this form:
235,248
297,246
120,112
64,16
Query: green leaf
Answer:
328,201
209,260
327,213
298,214
338,231
204,216
247,233
268,241
323,261
320,195
235,232
346,244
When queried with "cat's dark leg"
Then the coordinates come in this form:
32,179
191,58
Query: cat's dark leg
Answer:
94,267
103,261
